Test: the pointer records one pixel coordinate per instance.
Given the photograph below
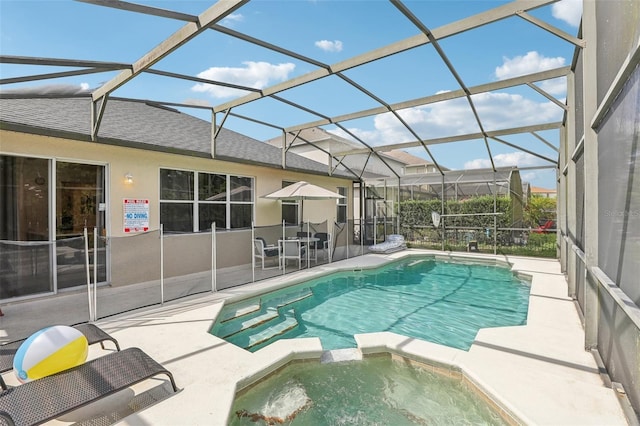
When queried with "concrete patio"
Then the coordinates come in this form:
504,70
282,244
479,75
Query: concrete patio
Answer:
537,374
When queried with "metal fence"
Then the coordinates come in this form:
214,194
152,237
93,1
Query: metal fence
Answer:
110,275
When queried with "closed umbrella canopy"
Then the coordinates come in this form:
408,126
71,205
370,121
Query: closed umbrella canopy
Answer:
303,191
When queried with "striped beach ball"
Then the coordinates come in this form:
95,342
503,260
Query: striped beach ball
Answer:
49,351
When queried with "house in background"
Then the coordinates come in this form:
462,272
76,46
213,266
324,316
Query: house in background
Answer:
150,166
414,164
536,191
319,145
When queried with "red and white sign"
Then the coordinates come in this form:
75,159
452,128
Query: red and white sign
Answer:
136,215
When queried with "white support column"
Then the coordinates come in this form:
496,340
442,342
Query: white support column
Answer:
161,265
590,105
95,273
253,254
86,264
213,134
214,260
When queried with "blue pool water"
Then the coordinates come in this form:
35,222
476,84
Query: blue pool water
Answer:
375,391
437,301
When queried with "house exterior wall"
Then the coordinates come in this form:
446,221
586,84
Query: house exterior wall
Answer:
144,166
601,205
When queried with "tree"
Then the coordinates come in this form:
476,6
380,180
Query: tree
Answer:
540,209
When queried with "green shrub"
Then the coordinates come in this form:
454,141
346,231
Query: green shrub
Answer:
418,213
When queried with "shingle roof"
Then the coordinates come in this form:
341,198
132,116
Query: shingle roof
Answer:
406,158
144,126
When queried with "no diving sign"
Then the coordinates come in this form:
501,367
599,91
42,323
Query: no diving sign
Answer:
136,215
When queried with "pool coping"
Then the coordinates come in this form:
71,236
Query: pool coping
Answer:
538,373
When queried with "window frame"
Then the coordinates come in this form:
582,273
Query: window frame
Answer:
289,203
196,202
342,204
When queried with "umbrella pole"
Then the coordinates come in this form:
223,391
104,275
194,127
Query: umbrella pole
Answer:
302,214
282,258
308,246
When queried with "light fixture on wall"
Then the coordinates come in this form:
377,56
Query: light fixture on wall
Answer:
128,178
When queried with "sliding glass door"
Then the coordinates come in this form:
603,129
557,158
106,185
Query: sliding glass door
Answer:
42,248
80,203
25,245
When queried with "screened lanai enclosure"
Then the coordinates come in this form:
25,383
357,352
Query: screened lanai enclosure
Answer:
476,210
482,134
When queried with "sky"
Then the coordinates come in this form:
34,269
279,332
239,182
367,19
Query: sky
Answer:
328,32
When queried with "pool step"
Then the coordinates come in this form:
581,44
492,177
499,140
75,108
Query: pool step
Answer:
241,310
253,306
236,327
288,324
289,298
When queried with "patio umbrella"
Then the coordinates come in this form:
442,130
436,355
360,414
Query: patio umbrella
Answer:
303,191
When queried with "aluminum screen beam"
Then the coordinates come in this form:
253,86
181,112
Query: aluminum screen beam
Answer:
459,138
147,10
488,87
209,17
434,42
56,62
49,76
564,106
553,30
90,67
535,154
481,19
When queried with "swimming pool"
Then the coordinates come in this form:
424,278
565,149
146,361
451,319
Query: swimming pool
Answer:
375,391
421,297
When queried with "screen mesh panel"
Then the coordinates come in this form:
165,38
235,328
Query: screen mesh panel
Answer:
619,195
617,31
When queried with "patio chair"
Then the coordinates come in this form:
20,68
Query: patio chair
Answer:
291,249
393,243
50,397
324,239
92,332
263,251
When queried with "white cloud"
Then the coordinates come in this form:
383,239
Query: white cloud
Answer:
497,110
527,64
233,18
84,86
569,11
556,86
329,46
530,63
255,74
529,176
517,158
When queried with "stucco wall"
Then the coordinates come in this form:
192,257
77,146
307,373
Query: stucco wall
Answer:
144,167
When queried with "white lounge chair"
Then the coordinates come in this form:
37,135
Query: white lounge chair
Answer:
393,243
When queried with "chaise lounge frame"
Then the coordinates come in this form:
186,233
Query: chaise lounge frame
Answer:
93,333
50,397
393,243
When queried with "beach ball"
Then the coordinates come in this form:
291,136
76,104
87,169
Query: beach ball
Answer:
48,351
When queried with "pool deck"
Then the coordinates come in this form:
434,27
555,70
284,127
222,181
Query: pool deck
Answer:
539,372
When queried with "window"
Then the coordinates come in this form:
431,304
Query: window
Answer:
341,212
212,193
224,199
290,208
240,201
